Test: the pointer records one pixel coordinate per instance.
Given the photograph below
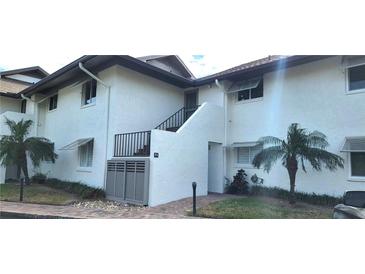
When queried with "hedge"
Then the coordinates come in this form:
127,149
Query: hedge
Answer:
300,196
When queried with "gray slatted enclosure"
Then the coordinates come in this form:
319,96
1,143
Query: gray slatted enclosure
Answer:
128,180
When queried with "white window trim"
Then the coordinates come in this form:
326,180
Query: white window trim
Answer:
88,105
350,177
355,91
248,100
84,168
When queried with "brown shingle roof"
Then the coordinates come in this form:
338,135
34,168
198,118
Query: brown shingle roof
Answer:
252,64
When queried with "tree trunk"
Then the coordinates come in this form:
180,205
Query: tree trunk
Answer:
25,170
21,182
292,170
18,172
21,190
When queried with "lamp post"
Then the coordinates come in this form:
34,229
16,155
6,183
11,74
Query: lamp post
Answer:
194,198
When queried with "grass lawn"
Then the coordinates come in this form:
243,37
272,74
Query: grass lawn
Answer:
263,208
36,193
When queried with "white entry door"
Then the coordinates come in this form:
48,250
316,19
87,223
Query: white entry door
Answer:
215,168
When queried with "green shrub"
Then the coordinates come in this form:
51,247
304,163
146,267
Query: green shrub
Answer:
239,184
280,193
38,178
84,191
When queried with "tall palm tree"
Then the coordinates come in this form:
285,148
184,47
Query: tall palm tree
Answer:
300,147
15,148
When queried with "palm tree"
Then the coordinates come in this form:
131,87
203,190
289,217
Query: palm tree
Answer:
300,146
15,148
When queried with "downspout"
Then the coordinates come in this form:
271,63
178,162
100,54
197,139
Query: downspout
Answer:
36,116
108,87
220,86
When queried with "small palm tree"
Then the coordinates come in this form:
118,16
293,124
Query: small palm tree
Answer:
15,148
300,146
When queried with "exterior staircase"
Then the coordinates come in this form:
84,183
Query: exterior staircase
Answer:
138,144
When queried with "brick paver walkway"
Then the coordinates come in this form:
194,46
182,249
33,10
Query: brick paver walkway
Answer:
173,210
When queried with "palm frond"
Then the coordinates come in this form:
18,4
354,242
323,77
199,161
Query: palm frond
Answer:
266,140
40,149
319,157
303,165
8,151
19,130
267,157
317,139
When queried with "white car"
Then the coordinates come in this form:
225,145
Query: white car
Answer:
353,206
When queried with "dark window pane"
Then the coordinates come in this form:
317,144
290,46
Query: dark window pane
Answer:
357,77
86,89
358,164
93,89
23,106
243,95
258,92
53,102
50,107
89,92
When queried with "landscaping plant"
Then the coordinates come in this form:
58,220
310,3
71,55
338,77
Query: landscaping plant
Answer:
16,148
239,184
82,190
299,147
310,198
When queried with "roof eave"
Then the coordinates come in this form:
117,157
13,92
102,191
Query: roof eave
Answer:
32,89
123,60
10,95
284,63
24,70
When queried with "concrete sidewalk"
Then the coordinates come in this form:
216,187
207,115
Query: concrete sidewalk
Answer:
173,210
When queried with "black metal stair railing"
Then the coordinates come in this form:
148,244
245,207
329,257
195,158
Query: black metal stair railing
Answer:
134,144
138,144
175,121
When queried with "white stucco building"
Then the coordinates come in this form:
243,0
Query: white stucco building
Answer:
144,128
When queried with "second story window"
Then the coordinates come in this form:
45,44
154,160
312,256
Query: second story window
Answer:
23,106
356,78
248,89
53,102
89,92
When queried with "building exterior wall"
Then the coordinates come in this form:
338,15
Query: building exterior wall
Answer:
137,103
69,122
211,94
183,156
9,104
313,95
11,86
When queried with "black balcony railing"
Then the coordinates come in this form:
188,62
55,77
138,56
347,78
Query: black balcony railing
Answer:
175,121
134,144
138,144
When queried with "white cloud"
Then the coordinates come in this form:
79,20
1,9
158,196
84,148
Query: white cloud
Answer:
209,64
